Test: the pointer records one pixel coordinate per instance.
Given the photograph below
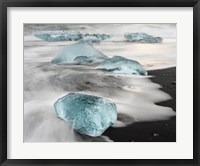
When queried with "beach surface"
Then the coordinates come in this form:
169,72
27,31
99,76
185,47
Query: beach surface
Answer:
153,131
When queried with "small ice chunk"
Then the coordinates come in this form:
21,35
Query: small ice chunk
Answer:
85,52
89,115
155,134
142,38
119,64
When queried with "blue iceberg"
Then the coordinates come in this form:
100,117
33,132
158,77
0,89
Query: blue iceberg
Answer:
142,38
58,36
52,36
94,38
78,53
89,115
119,64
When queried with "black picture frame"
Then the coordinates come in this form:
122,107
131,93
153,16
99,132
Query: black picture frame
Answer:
4,4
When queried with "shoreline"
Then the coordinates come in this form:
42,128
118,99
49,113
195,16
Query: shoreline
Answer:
154,131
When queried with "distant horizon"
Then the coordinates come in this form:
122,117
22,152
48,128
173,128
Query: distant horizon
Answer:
164,30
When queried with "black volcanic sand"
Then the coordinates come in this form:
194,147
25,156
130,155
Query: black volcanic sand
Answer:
154,131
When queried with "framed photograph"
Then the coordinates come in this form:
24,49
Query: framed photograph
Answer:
99,82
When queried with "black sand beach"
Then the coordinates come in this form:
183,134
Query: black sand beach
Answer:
155,131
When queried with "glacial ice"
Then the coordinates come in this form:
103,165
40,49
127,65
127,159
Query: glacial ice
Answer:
81,60
89,115
78,53
119,64
142,38
94,38
90,39
58,36
51,36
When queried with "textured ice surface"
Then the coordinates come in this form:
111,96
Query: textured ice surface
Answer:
51,36
58,36
118,64
82,60
77,53
94,38
142,38
89,115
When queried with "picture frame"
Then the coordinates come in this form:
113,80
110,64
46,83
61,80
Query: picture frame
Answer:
99,3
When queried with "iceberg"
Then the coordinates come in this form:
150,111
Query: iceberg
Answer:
142,38
94,38
52,36
119,64
78,53
58,36
89,115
